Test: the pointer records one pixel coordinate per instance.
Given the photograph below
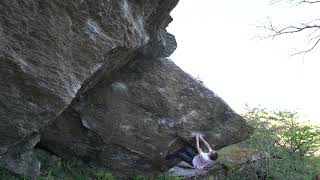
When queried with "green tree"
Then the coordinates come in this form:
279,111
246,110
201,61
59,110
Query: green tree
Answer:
281,147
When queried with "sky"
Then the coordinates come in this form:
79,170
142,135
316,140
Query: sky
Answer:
217,42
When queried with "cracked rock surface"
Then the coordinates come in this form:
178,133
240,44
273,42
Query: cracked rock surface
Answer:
89,80
148,108
52,50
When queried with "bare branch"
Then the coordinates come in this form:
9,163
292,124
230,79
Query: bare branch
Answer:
313,32
308,50
312,28
309,2
296,2
292,29
313,38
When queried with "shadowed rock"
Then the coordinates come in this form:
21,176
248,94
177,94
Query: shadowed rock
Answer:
147,108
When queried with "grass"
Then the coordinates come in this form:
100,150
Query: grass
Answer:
68,170
159,177
53,168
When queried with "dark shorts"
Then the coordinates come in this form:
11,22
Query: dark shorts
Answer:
186,154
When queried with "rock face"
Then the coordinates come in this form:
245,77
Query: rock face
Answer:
212,171
52,50
145,109
89,77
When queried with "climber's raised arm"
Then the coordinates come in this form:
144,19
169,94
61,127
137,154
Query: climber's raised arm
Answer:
187,154
197,143
205,143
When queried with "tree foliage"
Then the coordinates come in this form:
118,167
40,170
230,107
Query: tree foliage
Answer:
283,129
281,147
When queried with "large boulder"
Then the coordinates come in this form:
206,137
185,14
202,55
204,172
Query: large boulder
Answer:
145,110
52,51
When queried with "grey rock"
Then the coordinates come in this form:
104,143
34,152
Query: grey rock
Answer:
147,109
52,51
90,77
213,171
163,45
21,160
184,170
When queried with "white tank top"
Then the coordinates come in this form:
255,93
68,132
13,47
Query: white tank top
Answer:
201,160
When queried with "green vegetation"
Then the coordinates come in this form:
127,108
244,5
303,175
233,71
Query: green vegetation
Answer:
159,177
69,169
103,175
61,169
7,175
56,169
280,148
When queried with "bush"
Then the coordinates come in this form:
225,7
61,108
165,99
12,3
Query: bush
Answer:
103,175
280,148
159,177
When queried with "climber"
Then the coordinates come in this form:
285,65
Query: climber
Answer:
198,161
